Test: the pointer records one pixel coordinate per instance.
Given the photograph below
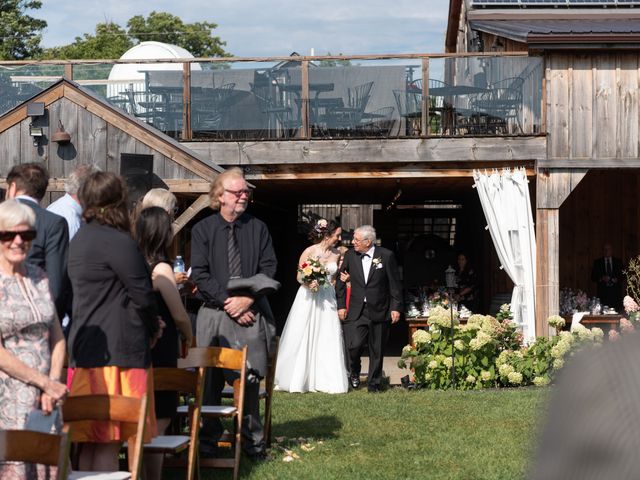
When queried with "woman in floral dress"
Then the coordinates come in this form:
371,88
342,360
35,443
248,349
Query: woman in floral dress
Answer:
31,345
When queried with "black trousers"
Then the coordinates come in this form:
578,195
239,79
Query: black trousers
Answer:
361,332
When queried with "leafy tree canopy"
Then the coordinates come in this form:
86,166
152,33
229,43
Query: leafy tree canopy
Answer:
19,32
111,40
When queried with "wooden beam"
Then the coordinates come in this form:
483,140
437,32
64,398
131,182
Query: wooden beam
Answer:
186,101
600,162
196,207
433,149
553,187
424,115
547,270
305,131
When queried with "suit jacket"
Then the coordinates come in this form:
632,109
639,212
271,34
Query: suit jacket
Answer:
383,289
49,251
599,270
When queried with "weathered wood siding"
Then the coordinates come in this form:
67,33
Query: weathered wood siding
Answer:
93,141
592,106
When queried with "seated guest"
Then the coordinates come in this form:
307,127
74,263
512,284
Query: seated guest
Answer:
153,234
607,273
32,347
467,289
115,318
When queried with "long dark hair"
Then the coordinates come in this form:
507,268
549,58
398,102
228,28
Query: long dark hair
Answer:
103,196
153,233
322,229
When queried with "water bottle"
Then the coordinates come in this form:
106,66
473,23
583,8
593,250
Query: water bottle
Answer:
178,265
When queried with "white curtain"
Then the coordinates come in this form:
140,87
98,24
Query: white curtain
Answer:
507,208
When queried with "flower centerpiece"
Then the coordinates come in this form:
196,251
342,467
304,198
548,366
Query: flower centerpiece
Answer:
312,270
573,300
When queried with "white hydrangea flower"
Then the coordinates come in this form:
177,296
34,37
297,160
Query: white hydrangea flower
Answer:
407,349
471,379
503,358
447,362
560,349
597,333
480,340
515,378
505,369
485,376
566,336
432,364
556,321
458,345
540,381
421,337
427,377
558,363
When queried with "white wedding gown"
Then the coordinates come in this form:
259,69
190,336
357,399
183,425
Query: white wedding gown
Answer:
311,353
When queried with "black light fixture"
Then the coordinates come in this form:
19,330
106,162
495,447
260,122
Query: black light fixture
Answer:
35,110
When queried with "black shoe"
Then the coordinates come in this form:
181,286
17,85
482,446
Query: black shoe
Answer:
261,456
206,450
354,381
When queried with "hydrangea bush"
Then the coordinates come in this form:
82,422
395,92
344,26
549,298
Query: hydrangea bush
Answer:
488,352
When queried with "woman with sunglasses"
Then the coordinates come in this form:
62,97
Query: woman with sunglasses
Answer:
32,347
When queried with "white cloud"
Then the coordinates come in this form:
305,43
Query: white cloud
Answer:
274,27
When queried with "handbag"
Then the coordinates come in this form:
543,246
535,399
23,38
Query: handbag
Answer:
39,422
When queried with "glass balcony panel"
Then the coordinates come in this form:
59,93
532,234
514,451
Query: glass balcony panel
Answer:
19,83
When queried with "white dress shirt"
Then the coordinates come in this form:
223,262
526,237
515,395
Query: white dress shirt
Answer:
71,210
367,258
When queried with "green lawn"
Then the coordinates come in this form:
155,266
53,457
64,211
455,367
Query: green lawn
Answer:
401,434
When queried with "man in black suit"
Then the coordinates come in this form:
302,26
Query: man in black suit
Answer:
28,184
375,300
607,273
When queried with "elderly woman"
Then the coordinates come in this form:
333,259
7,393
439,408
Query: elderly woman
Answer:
32,347
114,315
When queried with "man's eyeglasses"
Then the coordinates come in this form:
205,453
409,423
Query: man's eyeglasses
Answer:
358,240
26,235
239,193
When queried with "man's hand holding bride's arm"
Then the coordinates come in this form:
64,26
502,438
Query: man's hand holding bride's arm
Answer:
342,314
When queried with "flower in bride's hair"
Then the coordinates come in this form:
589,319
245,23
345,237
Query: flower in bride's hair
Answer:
321,226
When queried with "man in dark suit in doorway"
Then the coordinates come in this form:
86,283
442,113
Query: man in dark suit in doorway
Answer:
375,301
28,184
607,273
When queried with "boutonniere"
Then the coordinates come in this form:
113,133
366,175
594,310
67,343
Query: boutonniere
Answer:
377,262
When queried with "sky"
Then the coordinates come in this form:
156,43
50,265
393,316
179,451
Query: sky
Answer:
261,28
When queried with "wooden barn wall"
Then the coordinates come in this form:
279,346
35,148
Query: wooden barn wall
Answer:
92,141
592,106
605,207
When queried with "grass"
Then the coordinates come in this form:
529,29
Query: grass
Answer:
400,434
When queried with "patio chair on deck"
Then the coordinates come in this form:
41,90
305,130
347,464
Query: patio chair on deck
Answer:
410,108
501,106
279,116
210,107
348,117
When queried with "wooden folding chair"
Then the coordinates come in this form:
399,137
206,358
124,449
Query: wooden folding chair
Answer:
110,408
266,393
228,359
36,447
190,383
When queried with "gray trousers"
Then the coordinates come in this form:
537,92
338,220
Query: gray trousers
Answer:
216,329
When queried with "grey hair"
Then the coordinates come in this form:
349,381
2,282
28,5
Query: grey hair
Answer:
14,213
160,197
367,232
79,175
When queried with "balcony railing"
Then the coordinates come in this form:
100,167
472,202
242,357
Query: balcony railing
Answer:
390,96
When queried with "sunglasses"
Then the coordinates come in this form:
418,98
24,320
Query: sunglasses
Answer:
26,236
239,193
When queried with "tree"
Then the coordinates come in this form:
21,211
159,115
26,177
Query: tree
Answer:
19,33
109,41
334,63
165,27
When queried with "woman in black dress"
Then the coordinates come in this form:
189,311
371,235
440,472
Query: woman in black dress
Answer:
153,234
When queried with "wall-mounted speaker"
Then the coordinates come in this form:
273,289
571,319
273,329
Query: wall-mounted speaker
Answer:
137,170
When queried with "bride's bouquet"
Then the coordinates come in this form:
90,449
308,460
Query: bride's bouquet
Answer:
312,270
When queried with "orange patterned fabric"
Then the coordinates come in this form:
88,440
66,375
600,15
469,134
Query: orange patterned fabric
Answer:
112,380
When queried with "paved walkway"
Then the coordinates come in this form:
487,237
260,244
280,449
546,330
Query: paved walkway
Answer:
390,368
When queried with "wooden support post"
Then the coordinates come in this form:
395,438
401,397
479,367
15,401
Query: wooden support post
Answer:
552,188
196,207
425,127
186,102
547,270
304,98
68,71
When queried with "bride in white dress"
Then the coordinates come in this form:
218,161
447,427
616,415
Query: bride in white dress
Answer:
311,353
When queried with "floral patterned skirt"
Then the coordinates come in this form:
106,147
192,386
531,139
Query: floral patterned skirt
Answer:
111,380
